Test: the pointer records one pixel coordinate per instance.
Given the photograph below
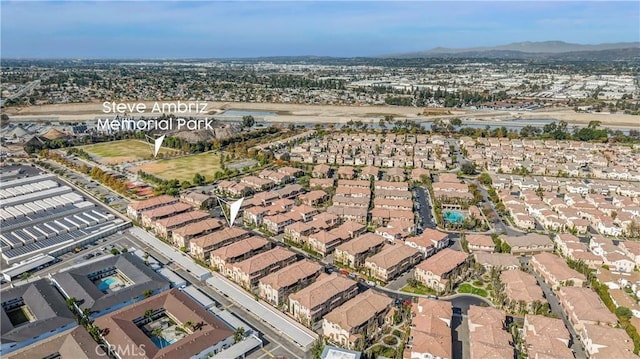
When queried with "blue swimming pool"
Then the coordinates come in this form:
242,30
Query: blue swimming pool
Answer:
453,216
161,342
106,283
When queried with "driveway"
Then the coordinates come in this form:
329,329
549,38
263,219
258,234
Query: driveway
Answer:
556,308
425,212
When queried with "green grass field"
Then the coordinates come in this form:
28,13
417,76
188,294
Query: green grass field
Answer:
183,168
468,288
124,151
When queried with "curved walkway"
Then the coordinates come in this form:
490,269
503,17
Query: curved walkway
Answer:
447,298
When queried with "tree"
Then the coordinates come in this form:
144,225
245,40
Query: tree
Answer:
485,179
468,168
248,121
198,179
239,334
624,313
317,348
147,293
457,122
25,276
188,324
115,251
71,301
148,314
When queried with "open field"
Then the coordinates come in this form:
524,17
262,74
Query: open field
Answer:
117,152
183,168
322,113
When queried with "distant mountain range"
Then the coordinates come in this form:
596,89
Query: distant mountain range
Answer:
532,50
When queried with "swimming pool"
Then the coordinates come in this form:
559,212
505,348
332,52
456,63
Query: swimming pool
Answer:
161,342
453,216
106,283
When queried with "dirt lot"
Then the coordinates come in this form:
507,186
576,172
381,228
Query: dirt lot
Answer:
323,113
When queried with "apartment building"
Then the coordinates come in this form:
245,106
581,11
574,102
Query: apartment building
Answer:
236,252
183,235
604,342
480,243
529,244
437,271
521,287
583,306
546,337
354,252
328,292
297,230
276,287
135,209
324,242
148,217
164,227
248,272
430,330
201,247
487,334
555,271
392,261
359,320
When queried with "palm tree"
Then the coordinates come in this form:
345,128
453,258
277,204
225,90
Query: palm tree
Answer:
188,324
239,334
148,314
71,303
25,276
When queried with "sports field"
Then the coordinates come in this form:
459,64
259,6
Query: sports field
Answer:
117,152
183,168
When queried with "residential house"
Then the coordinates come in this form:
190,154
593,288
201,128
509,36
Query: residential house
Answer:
555,271
135,209
392,261
603,342
248,272
529,244
430,330
487,335
276,287
354,252
311,303
201,247
276,224
546,337
500,261
521,287
358,321
441,269
296,230
583,306
181,236
236,252
480,242
314,198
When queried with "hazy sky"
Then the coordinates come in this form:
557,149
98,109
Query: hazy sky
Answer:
159,29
